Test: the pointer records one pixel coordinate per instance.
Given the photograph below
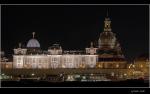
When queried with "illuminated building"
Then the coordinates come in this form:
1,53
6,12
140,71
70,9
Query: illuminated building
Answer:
4,62
33,57
141,66
109,50
101,61
107,55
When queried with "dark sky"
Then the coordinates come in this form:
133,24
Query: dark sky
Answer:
74,27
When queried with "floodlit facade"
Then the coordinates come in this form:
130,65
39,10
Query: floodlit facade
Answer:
54,61
107,54
98,62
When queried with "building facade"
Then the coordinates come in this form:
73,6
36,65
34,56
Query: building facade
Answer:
103,60
107,54
54,61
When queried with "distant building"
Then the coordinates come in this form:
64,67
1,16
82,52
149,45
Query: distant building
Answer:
141,66
109,50
4,61
2,53
107,55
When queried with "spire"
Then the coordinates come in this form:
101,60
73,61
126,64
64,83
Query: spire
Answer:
107,13
60,47
91,44
33,33
19,45
107,23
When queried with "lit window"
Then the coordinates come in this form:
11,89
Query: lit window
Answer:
92,59
117,65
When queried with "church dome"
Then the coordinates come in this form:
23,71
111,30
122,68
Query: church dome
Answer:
33,43
107,35
107,39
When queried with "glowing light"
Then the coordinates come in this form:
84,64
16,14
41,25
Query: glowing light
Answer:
141,66
82,66
63,66
133,66
112,74
125,74
117,65
84,77
7,66
99,66
92,74
32,74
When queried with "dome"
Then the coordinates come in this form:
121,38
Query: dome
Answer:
107,38
33,43
107,35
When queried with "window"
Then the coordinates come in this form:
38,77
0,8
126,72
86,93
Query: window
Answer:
92,59
54,59
83,59
19,58
64,59
39,60
33,60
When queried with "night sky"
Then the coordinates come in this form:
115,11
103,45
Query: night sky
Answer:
74,27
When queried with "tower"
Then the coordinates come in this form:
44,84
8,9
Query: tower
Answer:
91,50
107,38
109,50
107,25
33,33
